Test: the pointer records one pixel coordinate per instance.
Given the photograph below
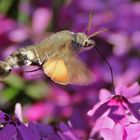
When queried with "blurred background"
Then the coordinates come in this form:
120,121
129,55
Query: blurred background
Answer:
26,22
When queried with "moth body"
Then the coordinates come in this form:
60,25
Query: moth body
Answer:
56,54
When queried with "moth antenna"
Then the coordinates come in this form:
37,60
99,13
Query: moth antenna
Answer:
33,70
98,32
112,77
89,22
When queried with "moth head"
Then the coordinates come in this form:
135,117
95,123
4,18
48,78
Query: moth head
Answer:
84,40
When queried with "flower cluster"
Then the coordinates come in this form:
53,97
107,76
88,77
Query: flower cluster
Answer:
115,116
11,128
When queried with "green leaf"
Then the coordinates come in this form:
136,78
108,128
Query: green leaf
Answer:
9,93
5,5
23,15
15,81
37,90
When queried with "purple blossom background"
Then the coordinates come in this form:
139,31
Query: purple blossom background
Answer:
49,111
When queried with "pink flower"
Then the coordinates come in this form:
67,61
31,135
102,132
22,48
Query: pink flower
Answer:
116,116
133,131
119,132
56,103
118,107
41,20
38,111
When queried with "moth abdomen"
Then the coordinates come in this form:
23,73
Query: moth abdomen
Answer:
21,57
5,70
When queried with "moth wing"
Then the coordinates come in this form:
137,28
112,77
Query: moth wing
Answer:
65,68
78,72
56,69
68,70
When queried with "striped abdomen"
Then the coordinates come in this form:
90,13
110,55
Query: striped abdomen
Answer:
19,58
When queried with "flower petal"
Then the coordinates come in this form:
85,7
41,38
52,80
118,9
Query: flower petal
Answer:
117,113
99,111
9,132
104,94
128,91
107,134
18,111
67,133
134,131
134,109
26,133
116,132
102,123
44,130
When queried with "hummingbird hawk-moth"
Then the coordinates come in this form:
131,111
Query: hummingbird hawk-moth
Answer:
57,55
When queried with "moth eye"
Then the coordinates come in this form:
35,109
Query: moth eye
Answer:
86,43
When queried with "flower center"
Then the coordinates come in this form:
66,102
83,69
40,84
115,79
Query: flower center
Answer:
119,98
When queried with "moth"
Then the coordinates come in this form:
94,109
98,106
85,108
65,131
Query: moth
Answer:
57,56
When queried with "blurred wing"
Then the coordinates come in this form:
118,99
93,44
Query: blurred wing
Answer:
68,70
78,72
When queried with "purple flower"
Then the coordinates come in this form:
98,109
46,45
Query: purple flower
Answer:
67,133
48,132
12,128
43,131
118,107
133,70
118,19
